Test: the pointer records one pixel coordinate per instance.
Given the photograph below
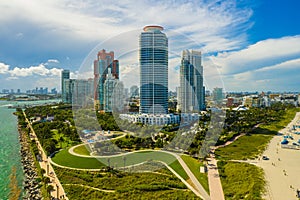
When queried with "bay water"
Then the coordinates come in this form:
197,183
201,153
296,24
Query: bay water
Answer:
10,146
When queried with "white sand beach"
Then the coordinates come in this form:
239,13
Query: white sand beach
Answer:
282,170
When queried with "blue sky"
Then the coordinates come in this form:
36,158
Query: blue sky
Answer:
246,45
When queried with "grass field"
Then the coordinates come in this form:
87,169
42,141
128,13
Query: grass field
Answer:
82,150
246,147
194,166
163,185
179,170
64,158
285,120
241,180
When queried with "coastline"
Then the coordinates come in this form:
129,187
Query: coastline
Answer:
282,169
30,185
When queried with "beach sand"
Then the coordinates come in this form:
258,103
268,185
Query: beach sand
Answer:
282,170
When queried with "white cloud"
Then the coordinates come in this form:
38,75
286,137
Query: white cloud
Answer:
262,54
3,68
34,70
52,61
279,77
215,25
12,78
210,26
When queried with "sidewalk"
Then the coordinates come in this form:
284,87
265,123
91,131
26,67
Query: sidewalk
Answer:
45,164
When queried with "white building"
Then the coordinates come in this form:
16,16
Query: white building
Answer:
152,119
191,91
160,119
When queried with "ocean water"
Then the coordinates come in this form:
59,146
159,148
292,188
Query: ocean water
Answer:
9,149
10,146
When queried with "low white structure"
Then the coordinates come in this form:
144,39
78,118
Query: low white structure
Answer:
160,119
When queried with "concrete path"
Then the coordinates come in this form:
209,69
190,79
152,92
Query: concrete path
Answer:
45,164
214,181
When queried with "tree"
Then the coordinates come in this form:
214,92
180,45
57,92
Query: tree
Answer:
61,140
49,146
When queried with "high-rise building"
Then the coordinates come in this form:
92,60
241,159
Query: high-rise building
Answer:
134,91
80,92
113,93
191,94
101,64
65,75
218,95
153,57
68,90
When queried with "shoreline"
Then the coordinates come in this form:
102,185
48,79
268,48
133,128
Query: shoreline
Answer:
282,172
31,189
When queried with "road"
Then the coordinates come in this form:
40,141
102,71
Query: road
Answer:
45,164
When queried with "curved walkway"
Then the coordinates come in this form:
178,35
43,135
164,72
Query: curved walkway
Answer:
200,191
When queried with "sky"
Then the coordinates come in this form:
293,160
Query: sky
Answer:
246,45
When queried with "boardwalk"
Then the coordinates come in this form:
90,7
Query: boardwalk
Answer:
58,191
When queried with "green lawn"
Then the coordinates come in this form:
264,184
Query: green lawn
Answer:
179,170
285,120
246,147
126,185
241,180
194,166
64,158
82,150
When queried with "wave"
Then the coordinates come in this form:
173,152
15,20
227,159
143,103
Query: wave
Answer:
6,105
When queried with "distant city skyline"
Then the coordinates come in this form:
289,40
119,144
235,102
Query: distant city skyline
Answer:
248,44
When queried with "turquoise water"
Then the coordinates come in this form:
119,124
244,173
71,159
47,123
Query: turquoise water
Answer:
9,149
9,145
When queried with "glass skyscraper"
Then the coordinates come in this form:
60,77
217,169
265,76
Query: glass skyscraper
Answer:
191,95
153,56
65,75
104,61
